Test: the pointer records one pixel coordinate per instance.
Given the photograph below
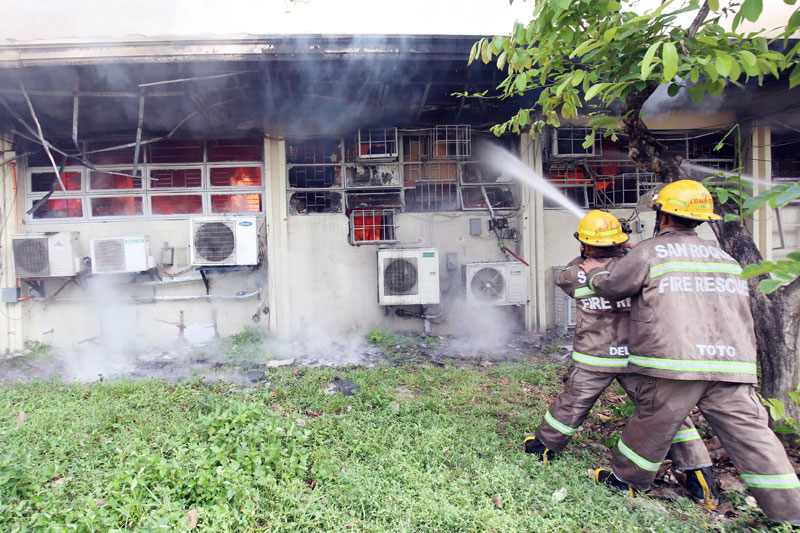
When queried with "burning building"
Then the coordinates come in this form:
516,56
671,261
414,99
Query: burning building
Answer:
306,184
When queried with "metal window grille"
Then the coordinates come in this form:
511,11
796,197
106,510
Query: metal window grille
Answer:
499,196
565,309
379,175
451,142
432,196
414,173
308,202
379,143
370,226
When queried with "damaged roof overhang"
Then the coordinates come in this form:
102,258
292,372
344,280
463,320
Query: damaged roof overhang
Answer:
282,84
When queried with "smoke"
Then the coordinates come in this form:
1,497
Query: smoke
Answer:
484,328
119,337
661,102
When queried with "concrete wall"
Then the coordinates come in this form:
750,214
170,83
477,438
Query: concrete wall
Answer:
334,286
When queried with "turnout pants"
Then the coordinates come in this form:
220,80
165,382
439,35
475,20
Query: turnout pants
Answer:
737,417
581,390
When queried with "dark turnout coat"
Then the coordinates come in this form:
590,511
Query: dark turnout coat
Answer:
600,343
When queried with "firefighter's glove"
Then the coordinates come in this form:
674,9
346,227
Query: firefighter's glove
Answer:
536,447
606,477
702,488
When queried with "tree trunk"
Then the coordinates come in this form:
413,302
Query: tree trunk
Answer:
776,316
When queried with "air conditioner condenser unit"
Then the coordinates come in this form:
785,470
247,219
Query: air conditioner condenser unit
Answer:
408,276
46,255
224,241
500,283
121,255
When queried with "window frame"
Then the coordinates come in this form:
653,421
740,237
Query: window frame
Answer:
147,190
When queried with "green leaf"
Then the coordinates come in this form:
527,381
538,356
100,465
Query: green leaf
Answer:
768,286
673,89
577,77
724,64
593,90
722,195
794,22
731,217
501,60
751,9
589,141
785,430
696,92
694,74
521,82
486,52
473,53
748,58
609,34
648,59
669,55
794,256
524,117
751,271
713,5
794,77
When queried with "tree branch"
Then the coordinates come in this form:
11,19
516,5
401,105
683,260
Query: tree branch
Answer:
698,20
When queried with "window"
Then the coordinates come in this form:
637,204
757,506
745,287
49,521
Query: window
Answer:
430,171
175,178
605,177
372,226
60,208
45,181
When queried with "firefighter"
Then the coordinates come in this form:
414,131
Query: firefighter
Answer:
601,355
691,333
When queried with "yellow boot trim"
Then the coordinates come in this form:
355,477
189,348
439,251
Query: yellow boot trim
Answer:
525,441
596,477
545,461
709,502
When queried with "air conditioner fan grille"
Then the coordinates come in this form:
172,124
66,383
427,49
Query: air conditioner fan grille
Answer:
488,284
109,255
31,257
400,276
214,241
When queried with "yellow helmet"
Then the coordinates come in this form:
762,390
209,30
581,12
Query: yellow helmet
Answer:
601,229
687,199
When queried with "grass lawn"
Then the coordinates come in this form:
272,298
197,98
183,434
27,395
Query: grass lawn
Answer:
418,448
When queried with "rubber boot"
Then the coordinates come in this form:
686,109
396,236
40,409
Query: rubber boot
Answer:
606,477
536,447
702,488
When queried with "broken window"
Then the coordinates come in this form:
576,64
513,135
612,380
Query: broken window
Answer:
116,206
44,181
603,176
373,226
432,196
314,164
99,153
176,204
110,180
302,203
60,208
235,176
380,143
235,203
451,142
373,199
386,175
499,196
